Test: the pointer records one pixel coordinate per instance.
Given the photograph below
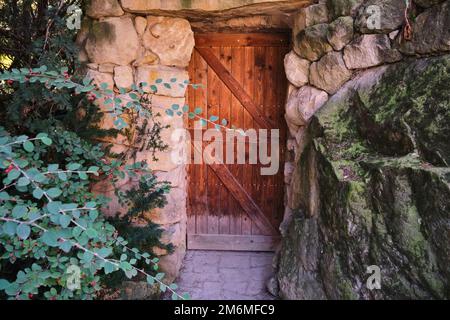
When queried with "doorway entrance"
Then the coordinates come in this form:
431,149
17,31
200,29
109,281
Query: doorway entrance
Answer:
242,78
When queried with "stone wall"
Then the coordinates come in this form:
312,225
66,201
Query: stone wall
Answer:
332,228
123,49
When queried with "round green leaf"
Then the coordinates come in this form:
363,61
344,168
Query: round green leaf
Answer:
13,174
23,182
28,146
19,211
23,231
64,220
73,166
47,141
38,193
91,233
10,228
83,176
54,192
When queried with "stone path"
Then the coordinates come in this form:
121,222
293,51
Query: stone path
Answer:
226,275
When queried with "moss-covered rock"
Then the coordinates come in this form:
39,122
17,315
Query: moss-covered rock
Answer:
373,188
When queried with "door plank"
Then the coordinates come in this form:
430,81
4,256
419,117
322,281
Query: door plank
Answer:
237,119
191,168
248,123
214,184
225,104
200,192
258,97
234,86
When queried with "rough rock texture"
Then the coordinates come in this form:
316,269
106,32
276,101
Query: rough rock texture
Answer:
104,8
147,58
123,77
369,51
339,8
427,3
112,40
244,24
303,103
312,42
330,72
171,39
431,31
297,69
211,9
391,13
140,24
309,16
376,159
101,77
340,32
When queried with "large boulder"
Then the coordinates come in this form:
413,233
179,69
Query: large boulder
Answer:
297,69
390,12
431,32
376,162
104,8
312,43
370,50
171,39
340,32
303,103
330,72
309,16
112,40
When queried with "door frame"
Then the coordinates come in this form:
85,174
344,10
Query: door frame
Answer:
203,44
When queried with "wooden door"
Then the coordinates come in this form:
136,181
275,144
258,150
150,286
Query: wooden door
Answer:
234,207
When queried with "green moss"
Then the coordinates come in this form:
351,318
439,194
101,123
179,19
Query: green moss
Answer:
344,285
423,104
384,185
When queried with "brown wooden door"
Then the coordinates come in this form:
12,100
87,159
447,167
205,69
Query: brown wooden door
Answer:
234,207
